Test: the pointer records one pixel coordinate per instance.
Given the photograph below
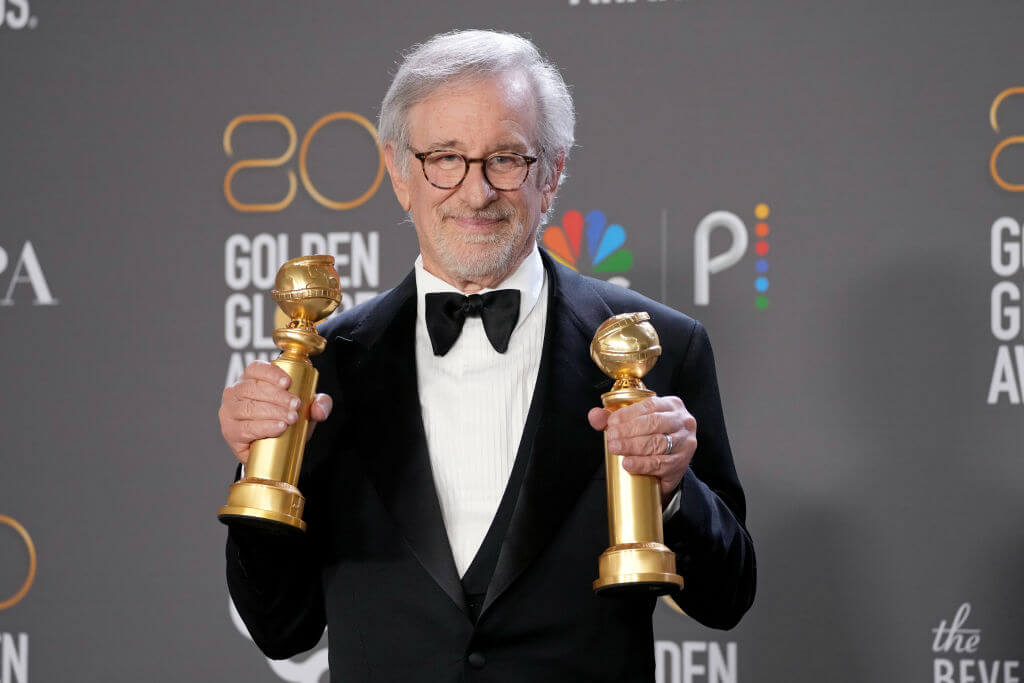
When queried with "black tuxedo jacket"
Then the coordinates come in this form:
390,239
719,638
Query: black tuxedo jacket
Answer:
375,564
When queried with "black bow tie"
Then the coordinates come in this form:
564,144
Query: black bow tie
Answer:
446,314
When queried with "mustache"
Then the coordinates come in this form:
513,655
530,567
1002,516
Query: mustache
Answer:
495,213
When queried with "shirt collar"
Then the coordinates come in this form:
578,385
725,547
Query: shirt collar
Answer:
528,278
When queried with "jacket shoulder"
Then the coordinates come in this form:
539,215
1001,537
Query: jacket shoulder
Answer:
343,323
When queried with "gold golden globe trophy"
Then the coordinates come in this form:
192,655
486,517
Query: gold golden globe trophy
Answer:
307,290
626,347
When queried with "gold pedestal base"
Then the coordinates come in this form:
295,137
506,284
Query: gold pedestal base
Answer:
638,567
253,499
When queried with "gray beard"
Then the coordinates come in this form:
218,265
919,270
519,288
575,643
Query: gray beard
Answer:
497,261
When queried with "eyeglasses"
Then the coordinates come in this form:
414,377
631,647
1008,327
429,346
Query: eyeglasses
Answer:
504,171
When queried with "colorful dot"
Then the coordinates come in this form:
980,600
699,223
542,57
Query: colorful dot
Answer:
761,284
761,265
762,211
761,248
761,229
761,302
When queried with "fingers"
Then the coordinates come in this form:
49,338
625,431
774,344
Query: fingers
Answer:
240,435
661,466
658,414
258,400
321,407
654,404
650,444
598,418
668,468
245,407
267,372
640,433
261,390
319,410
640,429
253,430
261,383
259,406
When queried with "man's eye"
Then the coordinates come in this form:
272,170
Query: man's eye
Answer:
447,158
502,160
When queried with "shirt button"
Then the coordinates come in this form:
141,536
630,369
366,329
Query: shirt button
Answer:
477,660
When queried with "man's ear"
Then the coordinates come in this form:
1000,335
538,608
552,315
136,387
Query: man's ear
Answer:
398,183
551,186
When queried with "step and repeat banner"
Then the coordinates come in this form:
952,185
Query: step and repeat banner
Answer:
835,189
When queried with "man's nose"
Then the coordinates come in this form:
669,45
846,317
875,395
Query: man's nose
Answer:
475,189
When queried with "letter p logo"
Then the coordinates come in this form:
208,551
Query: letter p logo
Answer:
704,265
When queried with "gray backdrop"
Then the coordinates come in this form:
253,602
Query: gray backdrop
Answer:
873,402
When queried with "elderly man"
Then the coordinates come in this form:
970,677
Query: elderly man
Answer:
455,492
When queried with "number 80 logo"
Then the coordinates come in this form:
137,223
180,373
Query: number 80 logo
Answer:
289,127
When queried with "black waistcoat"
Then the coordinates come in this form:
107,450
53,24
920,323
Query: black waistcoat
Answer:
478,576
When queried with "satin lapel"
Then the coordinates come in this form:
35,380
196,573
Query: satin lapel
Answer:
566,451
389,396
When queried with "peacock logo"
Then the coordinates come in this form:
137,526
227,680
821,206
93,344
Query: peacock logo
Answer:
605,255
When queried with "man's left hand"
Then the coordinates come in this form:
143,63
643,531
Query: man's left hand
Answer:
640,433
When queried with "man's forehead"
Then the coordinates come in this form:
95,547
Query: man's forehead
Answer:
508,144
498,110
514,85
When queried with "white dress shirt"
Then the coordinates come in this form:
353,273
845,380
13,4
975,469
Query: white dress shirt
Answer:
474,403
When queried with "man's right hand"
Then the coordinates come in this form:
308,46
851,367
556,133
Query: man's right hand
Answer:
258,406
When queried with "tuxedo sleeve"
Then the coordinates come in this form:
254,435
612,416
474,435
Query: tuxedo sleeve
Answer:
714,551
275,585
275,580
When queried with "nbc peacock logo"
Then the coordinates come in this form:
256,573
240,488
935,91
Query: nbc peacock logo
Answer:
605,255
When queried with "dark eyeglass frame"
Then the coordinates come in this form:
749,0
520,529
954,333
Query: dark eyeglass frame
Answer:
466,161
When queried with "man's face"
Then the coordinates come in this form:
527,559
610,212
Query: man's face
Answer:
473,234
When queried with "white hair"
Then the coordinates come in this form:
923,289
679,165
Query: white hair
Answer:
455,56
